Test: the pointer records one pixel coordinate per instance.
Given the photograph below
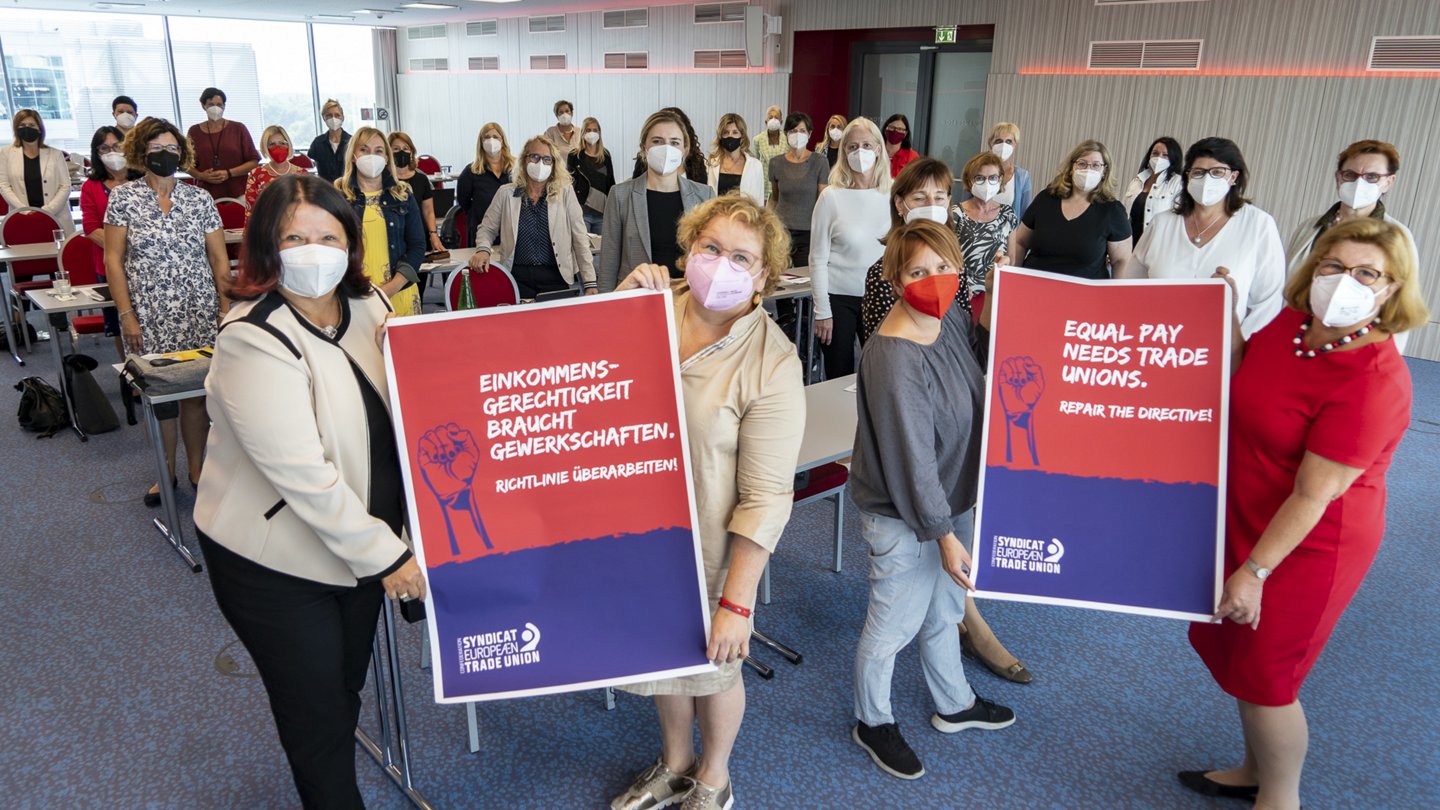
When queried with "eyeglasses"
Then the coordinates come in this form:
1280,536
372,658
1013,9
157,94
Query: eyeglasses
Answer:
1084,165
1217,172
1370,177
988,179
110,150
534,158
1368,276
893,128
173,149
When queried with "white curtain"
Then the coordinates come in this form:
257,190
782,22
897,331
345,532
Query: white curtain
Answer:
386,68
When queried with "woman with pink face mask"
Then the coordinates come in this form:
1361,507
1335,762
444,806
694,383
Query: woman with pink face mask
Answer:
920,403
745,415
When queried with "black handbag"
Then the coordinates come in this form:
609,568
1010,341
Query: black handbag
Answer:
93,412
42,409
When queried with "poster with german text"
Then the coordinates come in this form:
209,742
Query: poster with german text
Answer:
547,477
1103,464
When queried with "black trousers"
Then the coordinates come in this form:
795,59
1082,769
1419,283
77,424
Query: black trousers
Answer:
534,279
311,643
799,247
839,353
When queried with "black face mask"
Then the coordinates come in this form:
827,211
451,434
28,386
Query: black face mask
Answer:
730,144
402,159
29,134
163,164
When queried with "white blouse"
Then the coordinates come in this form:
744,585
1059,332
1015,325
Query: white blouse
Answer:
1248,245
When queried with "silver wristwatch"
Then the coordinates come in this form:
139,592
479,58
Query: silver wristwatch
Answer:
1260,573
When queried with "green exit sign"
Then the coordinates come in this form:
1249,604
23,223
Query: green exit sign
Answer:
945,35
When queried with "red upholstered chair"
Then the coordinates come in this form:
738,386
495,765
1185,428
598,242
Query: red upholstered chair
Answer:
4,207
78,259
427,164
825,481
302,161
492,289
29,226
232,216
462,227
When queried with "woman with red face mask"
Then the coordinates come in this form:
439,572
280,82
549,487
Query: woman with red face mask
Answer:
897,142
278,151
921,396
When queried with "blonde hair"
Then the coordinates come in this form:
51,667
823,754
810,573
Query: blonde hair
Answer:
726,120
349,182
330,102
1002,128
842,176
1062,186
137,143
830,123
1405,309
903,240
774,236
507,160
600,141
559,174
274,129
666,117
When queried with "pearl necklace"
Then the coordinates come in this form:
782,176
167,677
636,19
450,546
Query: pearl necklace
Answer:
1301,351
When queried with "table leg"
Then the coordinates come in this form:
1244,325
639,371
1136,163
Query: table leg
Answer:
12,334
58,324
171,531
808,308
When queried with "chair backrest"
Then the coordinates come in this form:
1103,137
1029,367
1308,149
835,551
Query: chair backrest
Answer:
78,259
427,164
303,161
491,289
233,213
4,207
29,226
452,228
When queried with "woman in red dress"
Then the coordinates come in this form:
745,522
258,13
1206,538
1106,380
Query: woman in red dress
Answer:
1318,407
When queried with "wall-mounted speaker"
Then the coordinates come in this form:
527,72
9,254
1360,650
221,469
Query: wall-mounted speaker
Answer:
755,36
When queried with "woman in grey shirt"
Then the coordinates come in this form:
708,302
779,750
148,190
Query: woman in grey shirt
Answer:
920,397
796,180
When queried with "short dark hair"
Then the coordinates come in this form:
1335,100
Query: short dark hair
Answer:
124,100
1173,153
211,92
905,144
1225,151
260,251
563,103
795,119
98,172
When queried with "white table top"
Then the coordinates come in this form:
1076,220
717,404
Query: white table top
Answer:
458,257
830,417
46,302
46,250
796,286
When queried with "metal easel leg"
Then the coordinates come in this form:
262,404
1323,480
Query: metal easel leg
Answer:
472,726
390,713
765,585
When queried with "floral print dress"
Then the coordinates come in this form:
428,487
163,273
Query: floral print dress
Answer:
166,266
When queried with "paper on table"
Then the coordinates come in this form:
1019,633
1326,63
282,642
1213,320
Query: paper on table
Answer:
851,387
793,277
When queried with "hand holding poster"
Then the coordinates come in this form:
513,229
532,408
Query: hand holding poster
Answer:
1102,480
548,488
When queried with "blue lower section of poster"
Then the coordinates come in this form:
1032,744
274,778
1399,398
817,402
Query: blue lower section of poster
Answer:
1113,541
571,613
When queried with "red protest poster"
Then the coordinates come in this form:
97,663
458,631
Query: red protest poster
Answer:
548,485
1102,480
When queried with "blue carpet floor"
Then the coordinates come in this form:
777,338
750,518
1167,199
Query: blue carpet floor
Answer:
117,692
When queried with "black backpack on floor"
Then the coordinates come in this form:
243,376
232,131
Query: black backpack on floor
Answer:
42,409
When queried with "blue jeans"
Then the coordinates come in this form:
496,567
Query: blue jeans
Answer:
592,220
910,594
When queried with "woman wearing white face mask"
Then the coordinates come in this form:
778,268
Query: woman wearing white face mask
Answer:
745,414
328,149
1155,188
391,227
642,213
301,507
224,151
1364,174
1015,188
564,133
108,171
850,217
796,180
770,143
539,226
593,174
1075,226
829,147
1320,400
492,168
1213,225
982,222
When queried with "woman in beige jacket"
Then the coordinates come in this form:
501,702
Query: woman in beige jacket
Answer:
543,240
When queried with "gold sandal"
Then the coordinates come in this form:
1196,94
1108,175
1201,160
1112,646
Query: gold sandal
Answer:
1015,673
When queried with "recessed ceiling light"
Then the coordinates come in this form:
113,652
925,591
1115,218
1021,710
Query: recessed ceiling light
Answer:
103,6
427,5
330,17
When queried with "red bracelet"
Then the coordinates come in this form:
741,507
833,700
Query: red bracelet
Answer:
734,608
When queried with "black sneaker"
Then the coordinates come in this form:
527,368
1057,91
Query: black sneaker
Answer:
984,714
889,750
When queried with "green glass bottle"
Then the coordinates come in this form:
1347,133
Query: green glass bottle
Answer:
467,296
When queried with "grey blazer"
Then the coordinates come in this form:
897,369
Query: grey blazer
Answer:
568,239
625,234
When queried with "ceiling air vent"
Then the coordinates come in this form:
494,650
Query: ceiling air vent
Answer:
425,32
484,63
1405,53
547,61
1155,54
429,64
720,12
548,24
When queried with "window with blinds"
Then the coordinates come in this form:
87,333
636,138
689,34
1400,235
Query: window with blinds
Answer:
1405,53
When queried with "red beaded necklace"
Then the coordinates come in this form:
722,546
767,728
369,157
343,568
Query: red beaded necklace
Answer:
1301,351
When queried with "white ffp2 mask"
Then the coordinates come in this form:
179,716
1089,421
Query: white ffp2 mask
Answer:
311,271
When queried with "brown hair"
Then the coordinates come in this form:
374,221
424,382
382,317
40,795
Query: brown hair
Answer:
916,174
774,236
138,141
726,120
1392,155
902,242
980,161
1062,185
404,138
667,116
1405,308
21,115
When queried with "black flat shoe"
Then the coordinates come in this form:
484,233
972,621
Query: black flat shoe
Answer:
152,499
1200,783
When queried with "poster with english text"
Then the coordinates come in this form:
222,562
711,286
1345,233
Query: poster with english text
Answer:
1103,463
547,479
